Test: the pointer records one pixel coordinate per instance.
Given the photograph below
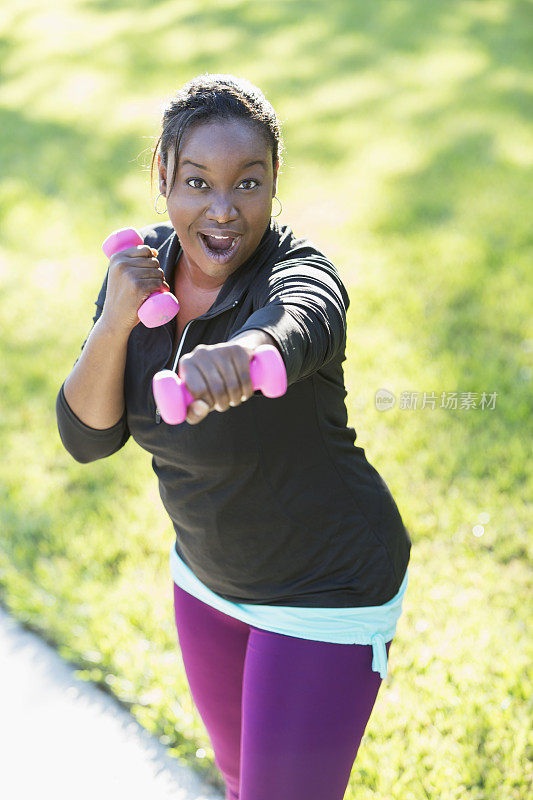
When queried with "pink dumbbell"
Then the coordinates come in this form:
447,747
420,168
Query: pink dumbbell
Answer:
161,306
172,397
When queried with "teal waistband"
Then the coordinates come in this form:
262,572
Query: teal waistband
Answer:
373,625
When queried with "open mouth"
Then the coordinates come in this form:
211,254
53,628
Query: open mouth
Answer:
220,248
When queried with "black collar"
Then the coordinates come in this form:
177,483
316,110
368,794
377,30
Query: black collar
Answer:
236,283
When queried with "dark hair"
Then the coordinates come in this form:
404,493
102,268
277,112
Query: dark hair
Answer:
216,96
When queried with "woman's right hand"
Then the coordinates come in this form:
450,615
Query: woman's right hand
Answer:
134,274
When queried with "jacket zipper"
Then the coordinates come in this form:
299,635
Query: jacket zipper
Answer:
182,340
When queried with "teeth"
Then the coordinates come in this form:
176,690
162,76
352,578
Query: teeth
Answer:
214,236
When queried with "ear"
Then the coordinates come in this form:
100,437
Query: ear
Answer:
275,179
162,174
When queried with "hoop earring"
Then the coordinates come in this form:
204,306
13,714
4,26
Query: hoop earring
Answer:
155,204
280,207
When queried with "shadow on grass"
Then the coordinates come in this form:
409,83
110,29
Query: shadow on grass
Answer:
53,159
321,43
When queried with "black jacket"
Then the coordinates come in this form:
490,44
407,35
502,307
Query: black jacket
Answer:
271,500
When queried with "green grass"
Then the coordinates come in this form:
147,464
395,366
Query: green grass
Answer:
408,135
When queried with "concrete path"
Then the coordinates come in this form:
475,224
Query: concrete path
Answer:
61,738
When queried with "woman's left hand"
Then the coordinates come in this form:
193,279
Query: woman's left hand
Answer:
217,376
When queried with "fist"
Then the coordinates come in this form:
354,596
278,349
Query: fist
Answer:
217,376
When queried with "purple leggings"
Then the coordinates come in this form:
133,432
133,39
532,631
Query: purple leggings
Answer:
285,715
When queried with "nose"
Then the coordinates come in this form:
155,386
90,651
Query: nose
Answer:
222,209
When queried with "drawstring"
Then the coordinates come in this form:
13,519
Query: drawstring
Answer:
379,660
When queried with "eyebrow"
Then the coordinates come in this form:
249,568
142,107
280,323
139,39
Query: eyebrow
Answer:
244,166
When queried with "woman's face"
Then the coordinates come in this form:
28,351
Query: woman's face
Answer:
220,193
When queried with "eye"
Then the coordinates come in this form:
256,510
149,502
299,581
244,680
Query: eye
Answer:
201,180
250,180
194,179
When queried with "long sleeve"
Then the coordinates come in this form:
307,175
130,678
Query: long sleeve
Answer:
84,443
87,444
303,305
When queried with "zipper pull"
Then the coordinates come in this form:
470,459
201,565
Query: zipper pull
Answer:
157,414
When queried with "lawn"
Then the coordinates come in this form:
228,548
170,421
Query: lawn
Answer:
409,153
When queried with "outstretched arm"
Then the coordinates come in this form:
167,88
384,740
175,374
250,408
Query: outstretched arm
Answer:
303,307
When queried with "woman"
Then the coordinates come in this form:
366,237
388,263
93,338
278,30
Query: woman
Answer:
290,559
